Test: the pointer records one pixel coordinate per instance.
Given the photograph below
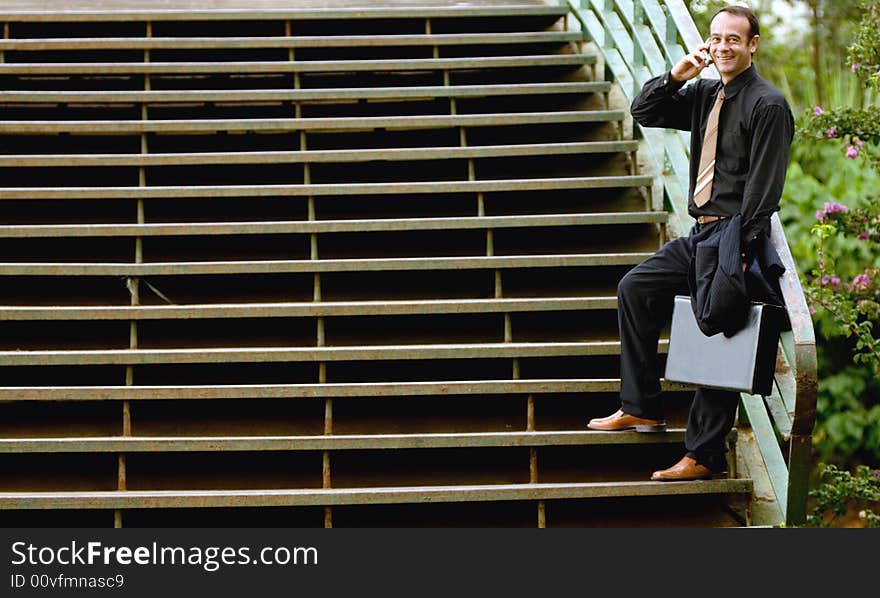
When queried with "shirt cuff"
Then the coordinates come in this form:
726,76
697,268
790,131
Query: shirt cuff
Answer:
669,84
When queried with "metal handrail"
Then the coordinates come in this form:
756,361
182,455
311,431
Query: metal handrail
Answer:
639,39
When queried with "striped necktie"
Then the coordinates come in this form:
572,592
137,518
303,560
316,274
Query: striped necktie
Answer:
703,189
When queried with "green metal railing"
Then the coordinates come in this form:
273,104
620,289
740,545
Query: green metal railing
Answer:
639,39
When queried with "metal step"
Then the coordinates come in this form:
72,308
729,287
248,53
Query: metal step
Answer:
131,127
300,95
312,309
327,226
93,69
318,156
332,443
134,499
334,189
322,354
315,391
287,14
329,265
299,41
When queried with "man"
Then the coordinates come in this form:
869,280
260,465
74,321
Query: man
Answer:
741,171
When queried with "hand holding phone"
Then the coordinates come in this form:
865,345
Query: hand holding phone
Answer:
692,64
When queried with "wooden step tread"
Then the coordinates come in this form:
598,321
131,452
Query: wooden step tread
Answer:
297,66
332,442
305,190
295,41
301,95
306,309
319,391
338,265
309,354
327,226
293,14
133,499
319,156
132,127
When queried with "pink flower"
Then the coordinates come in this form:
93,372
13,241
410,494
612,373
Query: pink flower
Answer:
861,282
852,153
855,66
817,110
858,142
831,207
812,310
835,281
831,133
864,236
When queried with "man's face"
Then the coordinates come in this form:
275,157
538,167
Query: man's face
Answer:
730,44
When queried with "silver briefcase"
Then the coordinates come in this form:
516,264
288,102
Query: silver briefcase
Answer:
744,362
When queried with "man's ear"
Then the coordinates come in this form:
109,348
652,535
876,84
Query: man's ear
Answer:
753,44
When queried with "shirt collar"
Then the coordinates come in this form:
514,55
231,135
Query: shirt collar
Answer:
740,81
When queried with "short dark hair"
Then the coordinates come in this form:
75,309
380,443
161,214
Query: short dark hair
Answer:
742,11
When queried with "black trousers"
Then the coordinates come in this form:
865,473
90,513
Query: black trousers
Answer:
645,298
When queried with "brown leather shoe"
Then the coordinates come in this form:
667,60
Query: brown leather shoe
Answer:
686,469
623,421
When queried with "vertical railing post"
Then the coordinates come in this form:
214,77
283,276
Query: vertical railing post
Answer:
670,37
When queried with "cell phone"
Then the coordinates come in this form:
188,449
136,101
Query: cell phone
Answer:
707,58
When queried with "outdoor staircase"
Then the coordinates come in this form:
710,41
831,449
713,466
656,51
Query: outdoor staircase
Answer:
323,267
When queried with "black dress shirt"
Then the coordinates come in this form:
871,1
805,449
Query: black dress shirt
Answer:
755,130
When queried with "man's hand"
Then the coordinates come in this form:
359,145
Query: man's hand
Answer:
691,64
